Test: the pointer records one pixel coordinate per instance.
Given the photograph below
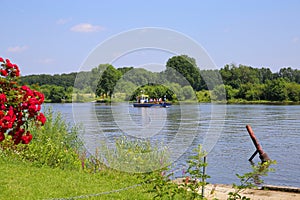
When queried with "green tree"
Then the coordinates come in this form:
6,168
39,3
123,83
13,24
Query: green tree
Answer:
231,93
265,74
276,90
108,81
124,70
57,94
235,76
186,66
293,91
287,74
177,91
203,96
251,92
219,93
188,93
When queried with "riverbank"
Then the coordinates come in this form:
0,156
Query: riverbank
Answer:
23,180
220,191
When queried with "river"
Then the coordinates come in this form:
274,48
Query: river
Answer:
220,128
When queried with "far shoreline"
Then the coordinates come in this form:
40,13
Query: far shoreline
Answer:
229,102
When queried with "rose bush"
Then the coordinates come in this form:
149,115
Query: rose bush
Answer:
19,105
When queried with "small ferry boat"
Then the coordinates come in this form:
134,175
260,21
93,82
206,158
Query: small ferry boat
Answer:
144,101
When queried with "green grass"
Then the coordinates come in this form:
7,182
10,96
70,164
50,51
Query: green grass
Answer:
22,180
50,167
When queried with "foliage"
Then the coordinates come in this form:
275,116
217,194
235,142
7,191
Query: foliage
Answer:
63,80
133,155
187,67
203,96
250,180
19,105
196,178
218,93
108,81
161,185
165,188
154,91
242,83
55,145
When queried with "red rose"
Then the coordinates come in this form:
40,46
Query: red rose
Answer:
25,88
3,72
26,138
19,105
9,65
3,98
41,117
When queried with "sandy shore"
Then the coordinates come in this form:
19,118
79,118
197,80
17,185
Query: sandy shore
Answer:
221,191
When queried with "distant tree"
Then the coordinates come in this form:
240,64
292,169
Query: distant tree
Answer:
140,76
108,81
231,93
219,93
293,91
57,94
210,79
265,74
63,80
124,70
188,93
203,96
154,91
276,90
251,92
235,76
177,91
186,66
287,74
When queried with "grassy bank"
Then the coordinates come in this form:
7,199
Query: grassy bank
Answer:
55,165
22,180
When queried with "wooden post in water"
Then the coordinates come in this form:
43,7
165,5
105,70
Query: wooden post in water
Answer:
262,155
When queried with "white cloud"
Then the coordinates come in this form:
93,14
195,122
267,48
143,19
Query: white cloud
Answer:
86,28
45,61
63,21
17,49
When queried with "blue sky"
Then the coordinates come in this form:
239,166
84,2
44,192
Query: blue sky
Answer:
56,36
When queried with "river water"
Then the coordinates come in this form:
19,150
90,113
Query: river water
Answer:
219,128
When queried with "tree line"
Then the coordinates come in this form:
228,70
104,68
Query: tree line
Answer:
181,80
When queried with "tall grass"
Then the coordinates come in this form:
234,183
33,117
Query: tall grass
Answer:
134,155
56,144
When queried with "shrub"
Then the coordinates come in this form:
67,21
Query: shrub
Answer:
19,106
55,145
